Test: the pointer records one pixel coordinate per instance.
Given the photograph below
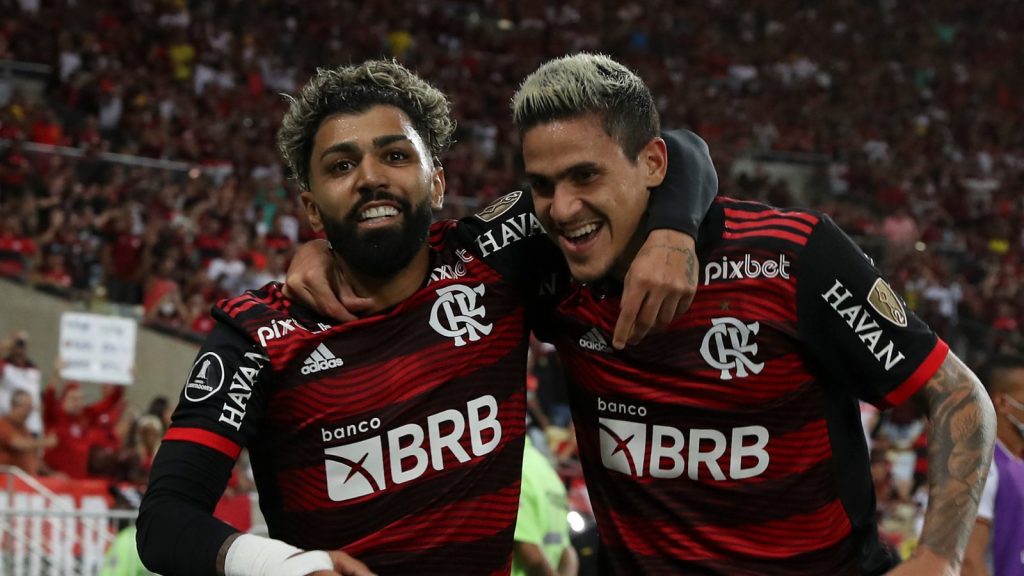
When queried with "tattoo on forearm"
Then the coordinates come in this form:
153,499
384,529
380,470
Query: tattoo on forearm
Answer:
960,439
691,258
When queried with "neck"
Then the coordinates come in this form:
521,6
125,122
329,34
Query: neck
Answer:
1010,437
621,265
388,292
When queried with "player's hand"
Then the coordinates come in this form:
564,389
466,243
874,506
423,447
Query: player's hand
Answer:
314,280
344,565
659,285
924,562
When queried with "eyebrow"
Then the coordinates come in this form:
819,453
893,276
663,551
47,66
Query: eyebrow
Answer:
349,147
564,173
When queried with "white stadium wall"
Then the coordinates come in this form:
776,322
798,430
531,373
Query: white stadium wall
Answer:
161,362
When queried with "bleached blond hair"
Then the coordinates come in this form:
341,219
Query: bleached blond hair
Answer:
582,84
355,89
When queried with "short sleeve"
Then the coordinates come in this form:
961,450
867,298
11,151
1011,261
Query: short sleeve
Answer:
222,400
509,237
858,330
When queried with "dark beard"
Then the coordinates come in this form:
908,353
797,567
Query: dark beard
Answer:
382,253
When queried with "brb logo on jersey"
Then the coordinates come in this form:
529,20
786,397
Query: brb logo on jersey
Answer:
728,347
360,468
624,446
455,314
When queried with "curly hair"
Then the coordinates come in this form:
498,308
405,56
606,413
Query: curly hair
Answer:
581,84
355,89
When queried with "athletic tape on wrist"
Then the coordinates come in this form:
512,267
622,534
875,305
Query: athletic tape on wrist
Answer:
251,555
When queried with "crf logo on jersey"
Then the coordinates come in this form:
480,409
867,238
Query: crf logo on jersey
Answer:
455,314
276,329
728,346
404,453
675,452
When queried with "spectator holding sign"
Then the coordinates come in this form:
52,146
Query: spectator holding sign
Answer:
76,424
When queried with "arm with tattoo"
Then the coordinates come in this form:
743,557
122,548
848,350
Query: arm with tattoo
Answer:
960,441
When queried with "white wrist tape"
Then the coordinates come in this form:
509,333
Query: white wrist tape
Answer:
252,555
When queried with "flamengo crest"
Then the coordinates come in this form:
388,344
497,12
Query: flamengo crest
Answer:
455,314
728,347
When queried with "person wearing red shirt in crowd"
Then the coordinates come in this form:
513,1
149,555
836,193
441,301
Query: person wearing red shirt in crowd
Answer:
15,166
18,447
47,130
76,425
122,256
54,270
16,248
278,238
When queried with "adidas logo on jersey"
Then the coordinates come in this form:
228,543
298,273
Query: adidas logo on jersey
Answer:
321,359
593,340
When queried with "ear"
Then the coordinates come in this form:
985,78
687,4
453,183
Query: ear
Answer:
312,211
653,160
437,185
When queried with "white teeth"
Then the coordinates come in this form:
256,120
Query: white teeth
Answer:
378,212
581,231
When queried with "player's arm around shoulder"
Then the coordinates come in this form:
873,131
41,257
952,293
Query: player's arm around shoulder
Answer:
960,447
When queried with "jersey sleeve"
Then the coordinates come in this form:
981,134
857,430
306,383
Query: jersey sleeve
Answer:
509,237
222,400
689,188
218,413
859,332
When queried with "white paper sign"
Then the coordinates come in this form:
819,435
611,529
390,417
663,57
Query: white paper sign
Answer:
97,348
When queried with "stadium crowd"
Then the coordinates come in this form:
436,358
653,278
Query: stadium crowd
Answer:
906,111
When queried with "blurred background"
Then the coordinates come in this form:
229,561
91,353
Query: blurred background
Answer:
139,178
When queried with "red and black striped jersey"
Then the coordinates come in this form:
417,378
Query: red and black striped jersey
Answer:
731,443
398,437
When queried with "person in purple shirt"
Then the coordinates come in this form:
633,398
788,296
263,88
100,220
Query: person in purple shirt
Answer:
996,546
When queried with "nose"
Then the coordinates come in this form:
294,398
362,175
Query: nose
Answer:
565,204
371,175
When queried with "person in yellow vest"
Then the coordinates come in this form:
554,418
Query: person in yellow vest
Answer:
542,546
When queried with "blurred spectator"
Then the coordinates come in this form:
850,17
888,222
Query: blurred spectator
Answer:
996,546
16,248
162,408
19,372
122,558
122,256
542,544
136,456
18,446
78,427
228,269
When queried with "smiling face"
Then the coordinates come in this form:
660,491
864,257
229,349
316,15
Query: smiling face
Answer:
588,195
372,186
